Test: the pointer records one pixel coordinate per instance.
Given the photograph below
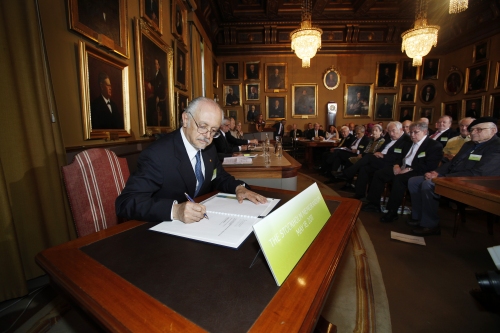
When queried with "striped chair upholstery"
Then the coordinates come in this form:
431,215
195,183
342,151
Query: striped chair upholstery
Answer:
93,180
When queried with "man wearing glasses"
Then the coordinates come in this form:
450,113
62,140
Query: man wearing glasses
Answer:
181,162
478,157
424,156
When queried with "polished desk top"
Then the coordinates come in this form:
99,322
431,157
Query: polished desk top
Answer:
280,167
318,143
108,275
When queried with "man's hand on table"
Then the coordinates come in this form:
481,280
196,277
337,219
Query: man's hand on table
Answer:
188,212
243,193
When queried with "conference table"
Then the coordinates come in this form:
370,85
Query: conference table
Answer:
131,279
311,145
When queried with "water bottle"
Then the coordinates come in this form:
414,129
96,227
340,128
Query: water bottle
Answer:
279,150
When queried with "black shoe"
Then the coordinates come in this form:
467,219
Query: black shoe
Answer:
411,221
422,231
369,207
389,217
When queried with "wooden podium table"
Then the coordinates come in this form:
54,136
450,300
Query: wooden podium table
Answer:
131,279
310,146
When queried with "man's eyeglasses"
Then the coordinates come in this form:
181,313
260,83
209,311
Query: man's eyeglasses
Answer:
204,130
479,129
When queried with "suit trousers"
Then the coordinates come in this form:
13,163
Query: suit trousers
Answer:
399,185
424,201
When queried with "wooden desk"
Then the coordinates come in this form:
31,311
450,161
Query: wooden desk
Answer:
120,306
480,192
309,147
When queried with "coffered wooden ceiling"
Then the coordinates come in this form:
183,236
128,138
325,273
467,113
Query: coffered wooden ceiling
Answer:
261,27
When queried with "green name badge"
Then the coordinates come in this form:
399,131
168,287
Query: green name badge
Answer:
361,147
422,154
285,234
214,174
397,150
474,157
444,139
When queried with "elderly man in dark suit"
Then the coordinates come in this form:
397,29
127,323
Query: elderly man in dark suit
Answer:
478,157
423,156
182,161
226,144
328,157
443,132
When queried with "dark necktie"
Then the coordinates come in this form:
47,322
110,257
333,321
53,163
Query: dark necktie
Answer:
198,173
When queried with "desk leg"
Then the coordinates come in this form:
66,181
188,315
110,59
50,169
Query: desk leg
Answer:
309,155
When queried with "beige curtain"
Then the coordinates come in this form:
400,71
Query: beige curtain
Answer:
196,73
34,213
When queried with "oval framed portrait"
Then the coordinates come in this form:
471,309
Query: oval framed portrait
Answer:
428,93
331,78
454,82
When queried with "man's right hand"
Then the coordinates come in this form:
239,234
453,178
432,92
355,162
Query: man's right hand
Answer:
378,155
188,212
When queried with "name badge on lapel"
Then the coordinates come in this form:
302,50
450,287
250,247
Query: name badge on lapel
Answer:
397,150
422,154
214,175
444,139
361,146
474,157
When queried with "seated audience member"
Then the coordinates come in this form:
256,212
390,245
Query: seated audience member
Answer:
376,141
423,156
327,157
478,157
238,132
443,132
391,151
309,128
340,156
369,129
260,123
406,127
454,144
182,161
332,133
295,132
279,128
315,133
226,144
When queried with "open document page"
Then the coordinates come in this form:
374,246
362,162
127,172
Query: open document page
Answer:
229,222
237,160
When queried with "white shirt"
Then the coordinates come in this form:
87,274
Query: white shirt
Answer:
108,103
191,151
389,145
412,152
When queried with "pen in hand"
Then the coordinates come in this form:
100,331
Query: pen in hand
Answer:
189,198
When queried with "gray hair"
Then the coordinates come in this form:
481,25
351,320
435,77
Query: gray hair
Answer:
377,126
420,125
359,127
196,105
398,125
346,127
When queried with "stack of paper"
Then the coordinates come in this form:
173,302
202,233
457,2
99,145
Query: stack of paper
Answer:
237,160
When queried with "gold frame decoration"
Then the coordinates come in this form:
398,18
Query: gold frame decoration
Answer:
331,78
215,73
233,113
429,71
426,112
179,21
236,99
408,71
432,93
98,121
279,113
454,81
102,22
152,13
452,109
412,95
235,75
477,82
181,66
387,75
495,106
276,82
305,100
467,106
246,109
381,111
252,76
154,67
357,106
252,96
480,51
181,103
412,114
497,76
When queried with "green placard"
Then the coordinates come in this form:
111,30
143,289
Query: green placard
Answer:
285,234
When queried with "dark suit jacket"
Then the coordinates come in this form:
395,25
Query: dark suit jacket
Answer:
310,133
276,129
102,118
446,135
431,153
299,133
462,166
164,173
365,141
227,145
347,141
397,151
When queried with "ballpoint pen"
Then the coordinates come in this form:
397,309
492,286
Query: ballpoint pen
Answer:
190,199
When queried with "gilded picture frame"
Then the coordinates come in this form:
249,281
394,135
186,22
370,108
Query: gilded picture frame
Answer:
105,22
181,66
426,112
232,94
408,71
181,103
179,21
495,106
358,100
275,107
151,11
387,75
480,51
305,100
331,78
407,112
428,93
215,73
430,69
452,109
231,71
105,110
252,91
233,113
385,111
473,107
252,71
155,85
249,115
476,78
497,76
454,82
408,92
276,77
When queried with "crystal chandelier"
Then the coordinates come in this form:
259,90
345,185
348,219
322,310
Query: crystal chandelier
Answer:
307,39
418,41
457,6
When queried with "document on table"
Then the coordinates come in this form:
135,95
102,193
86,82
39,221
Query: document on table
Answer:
237,160
408,238
229,222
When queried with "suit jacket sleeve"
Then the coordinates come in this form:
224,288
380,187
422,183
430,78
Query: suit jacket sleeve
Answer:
234,141
363,144
433,154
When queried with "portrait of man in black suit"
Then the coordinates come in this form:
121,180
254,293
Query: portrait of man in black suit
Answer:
386,75
151,11
385,103
276,77
180,69
252,92
409,71
156,109
231,71
252,71
104,112
428,93
430,69
477,78
408,93
276,107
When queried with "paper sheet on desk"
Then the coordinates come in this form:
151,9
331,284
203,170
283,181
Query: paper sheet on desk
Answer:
408,238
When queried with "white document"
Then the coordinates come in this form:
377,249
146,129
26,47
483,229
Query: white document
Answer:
408,238
227,204
237,160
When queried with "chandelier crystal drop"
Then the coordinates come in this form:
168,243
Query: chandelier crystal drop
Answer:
417,42
457,6
306,40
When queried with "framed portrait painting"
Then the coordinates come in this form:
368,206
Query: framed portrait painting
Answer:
252,70
454,82
151,11
426,112
452,109
387,73
473,107
154,67
103,21
385,105
305,100
215,73
276,77
358,100
480,51
252,91
495,106
331,78
409,72
179,21
408,93
232,94
104,94
430,69
181,66
406,112
275,107
231,71
231,113
497,76
476,78
252,112
428,93
181,103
